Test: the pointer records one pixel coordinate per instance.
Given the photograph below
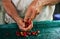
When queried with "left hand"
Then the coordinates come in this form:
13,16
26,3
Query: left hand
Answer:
33,10
36,6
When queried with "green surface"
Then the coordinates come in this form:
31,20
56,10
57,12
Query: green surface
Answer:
48,30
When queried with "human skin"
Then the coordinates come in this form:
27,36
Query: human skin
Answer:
33,10
36,6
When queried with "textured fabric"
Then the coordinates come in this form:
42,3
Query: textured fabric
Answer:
22,5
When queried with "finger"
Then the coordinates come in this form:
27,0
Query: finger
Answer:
22,24
33,15
21,28
29,27
26,29
27,15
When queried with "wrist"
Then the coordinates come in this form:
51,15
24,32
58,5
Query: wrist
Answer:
18,19
38,4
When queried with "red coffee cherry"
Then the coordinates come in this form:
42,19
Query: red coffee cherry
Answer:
17,33
25,34
34,33
27,24
28,33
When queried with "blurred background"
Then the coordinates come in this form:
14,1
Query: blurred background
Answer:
1,13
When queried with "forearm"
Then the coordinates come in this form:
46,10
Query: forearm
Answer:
39,4
45,2
11,10
51,2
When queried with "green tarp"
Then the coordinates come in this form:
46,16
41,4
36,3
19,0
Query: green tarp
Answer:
48,30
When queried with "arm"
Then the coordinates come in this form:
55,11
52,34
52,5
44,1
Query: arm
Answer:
39,3
50,2
13,13
11,9
36,6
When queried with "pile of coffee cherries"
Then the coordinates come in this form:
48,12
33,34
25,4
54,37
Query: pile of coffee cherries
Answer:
25,34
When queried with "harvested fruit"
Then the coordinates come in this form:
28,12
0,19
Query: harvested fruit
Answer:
27,24
17,33
28,33
25,34
34,33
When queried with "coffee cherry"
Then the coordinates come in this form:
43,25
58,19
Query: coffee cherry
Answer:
34,33
27,24
25,34
17,33
28,33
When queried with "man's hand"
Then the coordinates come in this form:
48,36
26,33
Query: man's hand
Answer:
36,6
28,26
24,26
33,10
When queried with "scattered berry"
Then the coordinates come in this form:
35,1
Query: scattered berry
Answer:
27,23
28,33
17,33
25,34
34,33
